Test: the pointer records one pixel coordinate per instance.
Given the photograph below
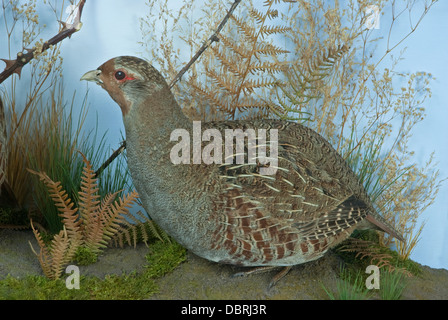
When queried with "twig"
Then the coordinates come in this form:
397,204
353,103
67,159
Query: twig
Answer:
111,158
204,47
3,139
15,66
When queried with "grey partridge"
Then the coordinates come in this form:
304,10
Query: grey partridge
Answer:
230,212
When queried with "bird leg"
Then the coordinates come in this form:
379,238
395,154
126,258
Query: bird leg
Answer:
256,270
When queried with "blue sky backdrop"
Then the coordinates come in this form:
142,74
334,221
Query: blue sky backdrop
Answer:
112,28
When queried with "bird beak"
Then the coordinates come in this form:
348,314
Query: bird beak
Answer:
93,76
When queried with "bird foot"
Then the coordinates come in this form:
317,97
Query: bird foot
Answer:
256,270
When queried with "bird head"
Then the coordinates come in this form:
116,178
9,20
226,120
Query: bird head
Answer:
128,80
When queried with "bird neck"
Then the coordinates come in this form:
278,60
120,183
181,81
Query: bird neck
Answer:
158,114
149,125
161,183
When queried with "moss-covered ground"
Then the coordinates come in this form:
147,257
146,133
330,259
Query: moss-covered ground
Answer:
164,270
162,258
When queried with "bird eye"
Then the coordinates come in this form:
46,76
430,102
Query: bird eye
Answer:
120,75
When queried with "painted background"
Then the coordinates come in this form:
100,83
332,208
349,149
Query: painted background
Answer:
112,28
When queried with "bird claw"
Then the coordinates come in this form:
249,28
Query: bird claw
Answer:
255,270
239,274
279,276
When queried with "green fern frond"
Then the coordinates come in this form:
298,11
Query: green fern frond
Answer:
302,83
139,228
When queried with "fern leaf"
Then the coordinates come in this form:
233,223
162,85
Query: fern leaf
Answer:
64,204
156,231
98,222
94,233
226,62
269,30
271,67
230,44
208,95
272,13
249,32
88,196
225,84
115,215
366,249
140,228
43,256
269,49
303,81
59,247
257,15
250,85
241,66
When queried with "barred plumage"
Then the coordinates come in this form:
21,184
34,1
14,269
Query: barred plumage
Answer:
233,212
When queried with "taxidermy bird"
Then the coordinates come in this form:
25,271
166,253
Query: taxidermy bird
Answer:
228,211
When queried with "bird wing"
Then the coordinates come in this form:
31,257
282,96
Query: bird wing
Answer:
311,188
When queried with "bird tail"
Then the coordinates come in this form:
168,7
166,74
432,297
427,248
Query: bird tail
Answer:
383,225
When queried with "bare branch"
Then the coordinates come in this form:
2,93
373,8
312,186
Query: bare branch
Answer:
15,66
110,159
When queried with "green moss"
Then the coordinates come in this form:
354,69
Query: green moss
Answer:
111,287
162,258
84,256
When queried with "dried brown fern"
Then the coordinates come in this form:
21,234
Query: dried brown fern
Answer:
240,66
94,229
91,225
88,204
64,204
114,216
366,249
63,249
44,255
58,253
